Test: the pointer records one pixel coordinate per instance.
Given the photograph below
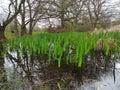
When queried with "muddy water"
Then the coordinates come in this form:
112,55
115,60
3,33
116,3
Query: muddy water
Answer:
105,82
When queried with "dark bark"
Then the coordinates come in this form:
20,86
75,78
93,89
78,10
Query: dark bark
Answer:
10,19
31,27
62,14
2,30
23,30
30,31
16,21
16,27
23,26
62,20
30,16
3,77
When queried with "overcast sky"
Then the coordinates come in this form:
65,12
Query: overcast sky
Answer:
4,3
4,6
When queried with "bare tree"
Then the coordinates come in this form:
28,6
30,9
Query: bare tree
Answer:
10,17
31,12
35,13
115,9
59,9
23,18
96,10
76,10
15,20
3,26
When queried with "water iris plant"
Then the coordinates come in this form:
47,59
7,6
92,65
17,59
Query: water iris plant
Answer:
71,47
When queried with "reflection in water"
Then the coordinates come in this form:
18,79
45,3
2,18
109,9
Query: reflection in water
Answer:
26,73
15,73
9,68
106,82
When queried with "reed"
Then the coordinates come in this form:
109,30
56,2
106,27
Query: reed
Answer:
70,46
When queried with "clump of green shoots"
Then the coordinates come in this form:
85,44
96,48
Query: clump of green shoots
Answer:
70,46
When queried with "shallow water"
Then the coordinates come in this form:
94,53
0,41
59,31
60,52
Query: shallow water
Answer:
105,82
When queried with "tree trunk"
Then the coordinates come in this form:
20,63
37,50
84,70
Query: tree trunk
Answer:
30,26
62,19
23,26
3,77
2,30
30,31
16,27
23,30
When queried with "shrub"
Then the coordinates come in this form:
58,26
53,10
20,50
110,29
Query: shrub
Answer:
80,27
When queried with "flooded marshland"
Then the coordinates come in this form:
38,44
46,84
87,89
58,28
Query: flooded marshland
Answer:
57,62
50,77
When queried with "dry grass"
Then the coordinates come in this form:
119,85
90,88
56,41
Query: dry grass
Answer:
115,28
100,44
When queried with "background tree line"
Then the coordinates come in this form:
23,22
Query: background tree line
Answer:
78,15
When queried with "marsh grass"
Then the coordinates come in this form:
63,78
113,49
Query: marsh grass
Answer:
71,47
58,56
